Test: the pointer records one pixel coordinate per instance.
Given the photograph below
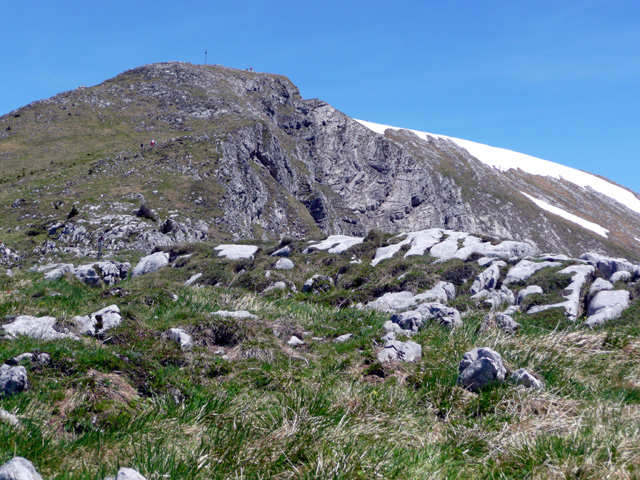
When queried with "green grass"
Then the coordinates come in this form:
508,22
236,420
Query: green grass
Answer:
324,410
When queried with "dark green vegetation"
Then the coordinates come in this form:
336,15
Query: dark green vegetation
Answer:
243,404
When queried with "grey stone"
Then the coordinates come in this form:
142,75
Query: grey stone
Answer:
13,379
609,265
523,377
129,474
621,276
495,298
236,314
295,341
397,351
488,278
192,279
393,302
181,337
59,271
9,418
343,338
41,328
480,368
442,292
580,274
276,286
317,283
19,468
607,305
98,322
524,269
598,285
443,314
526,291
282,252
283,264
506,323
151,263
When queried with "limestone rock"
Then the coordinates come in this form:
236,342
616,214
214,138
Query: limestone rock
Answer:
151,263
9,418
283,264
609,265
480,368
282,252
12,380
317,283
98,322
395,350
237,314
526,291
41,328
524,269
443,314
607,305
295,341
442,292
343,338
598,285
181,337
129,474
192,279
19,468
621,276
523,377
488,278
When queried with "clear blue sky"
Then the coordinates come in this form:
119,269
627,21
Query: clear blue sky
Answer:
555,79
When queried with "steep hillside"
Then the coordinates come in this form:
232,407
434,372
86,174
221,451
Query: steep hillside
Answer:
241,155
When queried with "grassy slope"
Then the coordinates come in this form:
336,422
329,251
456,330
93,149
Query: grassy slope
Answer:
325,410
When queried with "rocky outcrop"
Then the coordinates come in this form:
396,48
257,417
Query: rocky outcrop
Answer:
607,305
151,263
12,380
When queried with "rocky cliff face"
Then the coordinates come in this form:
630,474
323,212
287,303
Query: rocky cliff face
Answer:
245,154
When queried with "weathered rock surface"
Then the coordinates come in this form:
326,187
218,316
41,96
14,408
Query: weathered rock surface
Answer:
524,269
608,265
526,291
98,322
193,279
9,418
607,305
129,474
12,380
495,299
41,328
526,379
621,276
151,263
19,468
580,275
598,285
488,278
397,351
480,368
317,283
182,338
284,264
235,314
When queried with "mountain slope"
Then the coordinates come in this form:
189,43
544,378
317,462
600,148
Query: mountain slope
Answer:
243,153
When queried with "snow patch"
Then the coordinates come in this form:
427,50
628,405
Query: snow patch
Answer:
337,243
236,252
594,227
504,160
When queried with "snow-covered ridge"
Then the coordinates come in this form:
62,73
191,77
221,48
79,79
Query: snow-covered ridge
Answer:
594,227
504,160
